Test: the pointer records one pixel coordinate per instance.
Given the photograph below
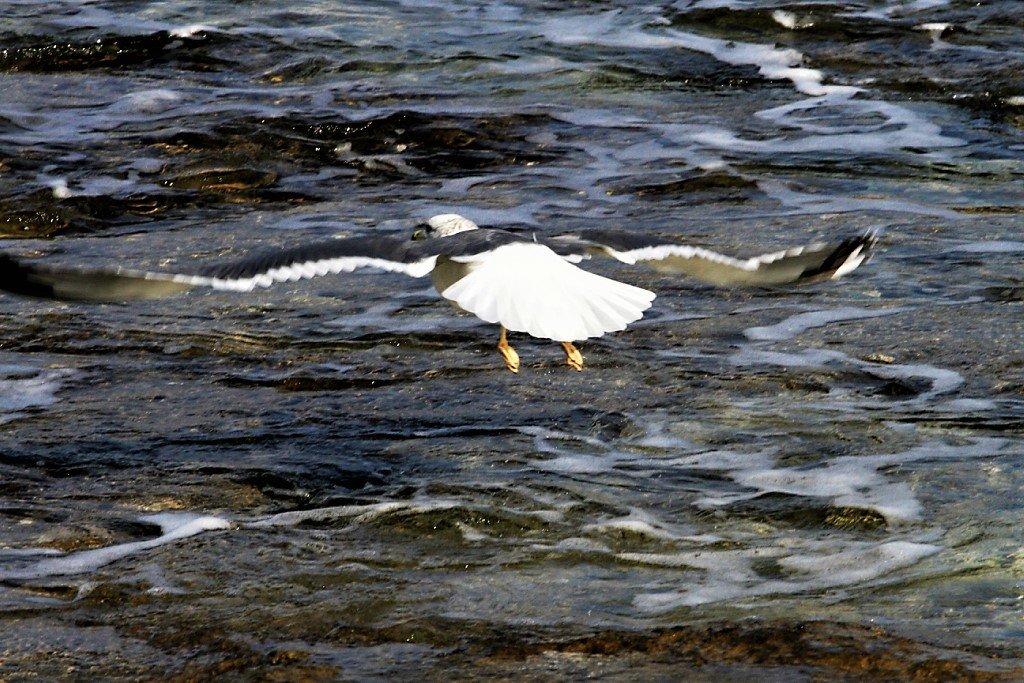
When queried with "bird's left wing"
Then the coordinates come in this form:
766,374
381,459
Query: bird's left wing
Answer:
811,263
340,255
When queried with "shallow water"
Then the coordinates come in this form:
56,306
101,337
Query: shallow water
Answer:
339,478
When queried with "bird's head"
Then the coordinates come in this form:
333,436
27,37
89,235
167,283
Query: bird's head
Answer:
442,226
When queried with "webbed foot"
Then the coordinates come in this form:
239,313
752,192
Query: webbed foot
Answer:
508,353
573,356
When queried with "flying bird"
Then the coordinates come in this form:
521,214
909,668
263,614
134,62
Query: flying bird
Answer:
524,282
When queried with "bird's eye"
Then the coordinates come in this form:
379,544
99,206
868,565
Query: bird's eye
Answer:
421,232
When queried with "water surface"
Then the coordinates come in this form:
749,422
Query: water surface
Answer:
339,479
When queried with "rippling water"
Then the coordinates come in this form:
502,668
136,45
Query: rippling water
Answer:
340,479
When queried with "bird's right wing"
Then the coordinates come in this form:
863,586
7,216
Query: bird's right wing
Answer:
342,255
811,263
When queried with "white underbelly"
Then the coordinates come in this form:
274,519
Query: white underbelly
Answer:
446,273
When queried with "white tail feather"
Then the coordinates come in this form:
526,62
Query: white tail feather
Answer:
528,288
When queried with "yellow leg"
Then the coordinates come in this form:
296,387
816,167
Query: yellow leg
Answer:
573,356
507,352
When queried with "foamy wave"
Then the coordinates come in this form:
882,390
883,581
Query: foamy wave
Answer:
573,454
152,101
191,30
93,186
24,387
901,130
803,561
840,121
173,525
796,325
640,523
991,247
831,202
854,481
356,514
732,574
833,119
771,62
896,9
942,381
857,481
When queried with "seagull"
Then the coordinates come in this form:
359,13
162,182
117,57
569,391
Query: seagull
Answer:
521,281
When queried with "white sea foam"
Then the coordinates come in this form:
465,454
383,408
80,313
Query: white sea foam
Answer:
471,534
150,101
640,523
798,324
991,247
825,130
716,4
606,30
894,9
857,481
835,119
771,62
832,202
91,186
103,185
809,565
942,381
861,564
525,66
580,545
845,482
599,118
805,358
8,553
175,526
356,514
901,128
805,562
24,387
716,460
191,30
60,188
577,463
967,405
574,454
784,18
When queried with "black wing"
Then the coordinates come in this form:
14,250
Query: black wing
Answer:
810,263
341,255
121,284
